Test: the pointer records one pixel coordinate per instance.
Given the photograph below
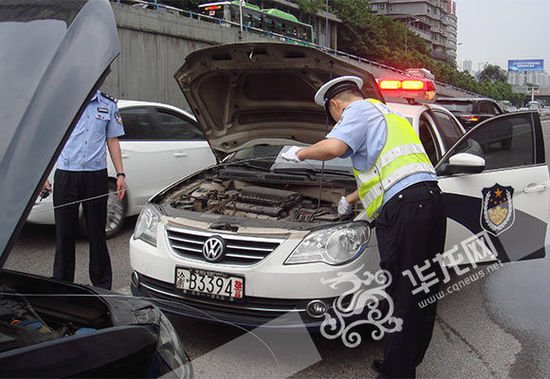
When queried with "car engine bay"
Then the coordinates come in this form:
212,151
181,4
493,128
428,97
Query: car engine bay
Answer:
28,317
290,202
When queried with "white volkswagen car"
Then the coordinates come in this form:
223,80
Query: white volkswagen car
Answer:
256,239
161,144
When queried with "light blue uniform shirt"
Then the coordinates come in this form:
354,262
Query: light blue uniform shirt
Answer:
85,150
363,128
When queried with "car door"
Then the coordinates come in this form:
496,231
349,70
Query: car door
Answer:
497,198
189,151
159,147
430,138
448,127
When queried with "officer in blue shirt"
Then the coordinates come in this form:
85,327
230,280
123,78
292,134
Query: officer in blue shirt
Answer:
410,222
81,177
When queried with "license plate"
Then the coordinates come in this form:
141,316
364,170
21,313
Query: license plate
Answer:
216,285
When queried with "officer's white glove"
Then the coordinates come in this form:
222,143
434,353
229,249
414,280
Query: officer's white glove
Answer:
344,208
290,154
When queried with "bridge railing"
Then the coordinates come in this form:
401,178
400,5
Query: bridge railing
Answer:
276,36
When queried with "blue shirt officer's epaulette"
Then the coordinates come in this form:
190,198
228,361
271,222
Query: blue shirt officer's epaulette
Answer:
107,96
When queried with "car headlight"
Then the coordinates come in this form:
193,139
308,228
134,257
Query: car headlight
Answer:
335,245
147,224
171,351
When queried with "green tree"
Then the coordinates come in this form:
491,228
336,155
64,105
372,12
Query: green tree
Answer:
310,7
493,73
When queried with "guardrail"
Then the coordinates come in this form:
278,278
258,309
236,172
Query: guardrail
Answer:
280,37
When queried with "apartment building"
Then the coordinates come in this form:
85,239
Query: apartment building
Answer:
520,78
434,20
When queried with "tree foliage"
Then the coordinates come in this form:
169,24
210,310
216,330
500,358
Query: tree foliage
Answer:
310,7
492,73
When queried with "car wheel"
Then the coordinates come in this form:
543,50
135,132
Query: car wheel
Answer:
116,214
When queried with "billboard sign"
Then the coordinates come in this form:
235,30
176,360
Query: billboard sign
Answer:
526,65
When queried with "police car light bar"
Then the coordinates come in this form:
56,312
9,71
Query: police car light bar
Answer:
413,90
407,85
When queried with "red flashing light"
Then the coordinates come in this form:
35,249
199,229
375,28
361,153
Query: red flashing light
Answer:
414,85
389,84
416,89
407,85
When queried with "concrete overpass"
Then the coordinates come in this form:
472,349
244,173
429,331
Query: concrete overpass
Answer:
154,45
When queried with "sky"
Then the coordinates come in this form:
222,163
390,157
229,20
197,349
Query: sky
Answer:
497,30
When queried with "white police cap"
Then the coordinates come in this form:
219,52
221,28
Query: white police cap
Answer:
335,86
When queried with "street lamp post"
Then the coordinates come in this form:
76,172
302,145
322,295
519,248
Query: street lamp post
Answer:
407,32
406,36
327,41
241,14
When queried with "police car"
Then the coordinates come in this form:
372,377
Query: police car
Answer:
161,144
257,239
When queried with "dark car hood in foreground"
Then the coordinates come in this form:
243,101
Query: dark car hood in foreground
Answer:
53,56
252,93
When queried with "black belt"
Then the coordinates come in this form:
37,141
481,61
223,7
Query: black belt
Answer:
430,185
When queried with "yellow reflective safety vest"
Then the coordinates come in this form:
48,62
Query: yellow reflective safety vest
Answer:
402,155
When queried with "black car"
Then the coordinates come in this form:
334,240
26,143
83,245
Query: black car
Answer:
471,112
55,54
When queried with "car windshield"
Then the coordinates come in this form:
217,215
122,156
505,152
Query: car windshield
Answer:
457,107
268,158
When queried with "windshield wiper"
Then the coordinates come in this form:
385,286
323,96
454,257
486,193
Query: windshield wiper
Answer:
247,165
314,171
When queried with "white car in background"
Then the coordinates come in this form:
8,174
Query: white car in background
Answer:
161,144
258,239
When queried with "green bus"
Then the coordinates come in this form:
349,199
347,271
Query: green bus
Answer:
274,23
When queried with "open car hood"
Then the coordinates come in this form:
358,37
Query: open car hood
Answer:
54,55
255,93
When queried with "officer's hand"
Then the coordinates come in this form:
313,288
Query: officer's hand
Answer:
46,190
290,154
344,208
47,186
120,187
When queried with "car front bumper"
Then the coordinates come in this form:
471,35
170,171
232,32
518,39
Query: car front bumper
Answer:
274,292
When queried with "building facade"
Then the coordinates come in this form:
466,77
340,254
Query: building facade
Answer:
521,78
467,66
434,20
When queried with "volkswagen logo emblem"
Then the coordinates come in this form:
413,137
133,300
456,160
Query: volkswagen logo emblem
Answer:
213,249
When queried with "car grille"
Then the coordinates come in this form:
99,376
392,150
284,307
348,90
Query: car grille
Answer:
240,250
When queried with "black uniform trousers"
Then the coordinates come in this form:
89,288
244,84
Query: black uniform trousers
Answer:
70,189
410,230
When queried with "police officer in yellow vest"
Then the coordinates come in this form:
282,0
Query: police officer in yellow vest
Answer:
398,188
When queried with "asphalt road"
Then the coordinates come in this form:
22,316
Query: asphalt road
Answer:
497,326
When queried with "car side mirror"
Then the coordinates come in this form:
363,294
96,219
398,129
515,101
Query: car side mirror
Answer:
464,163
